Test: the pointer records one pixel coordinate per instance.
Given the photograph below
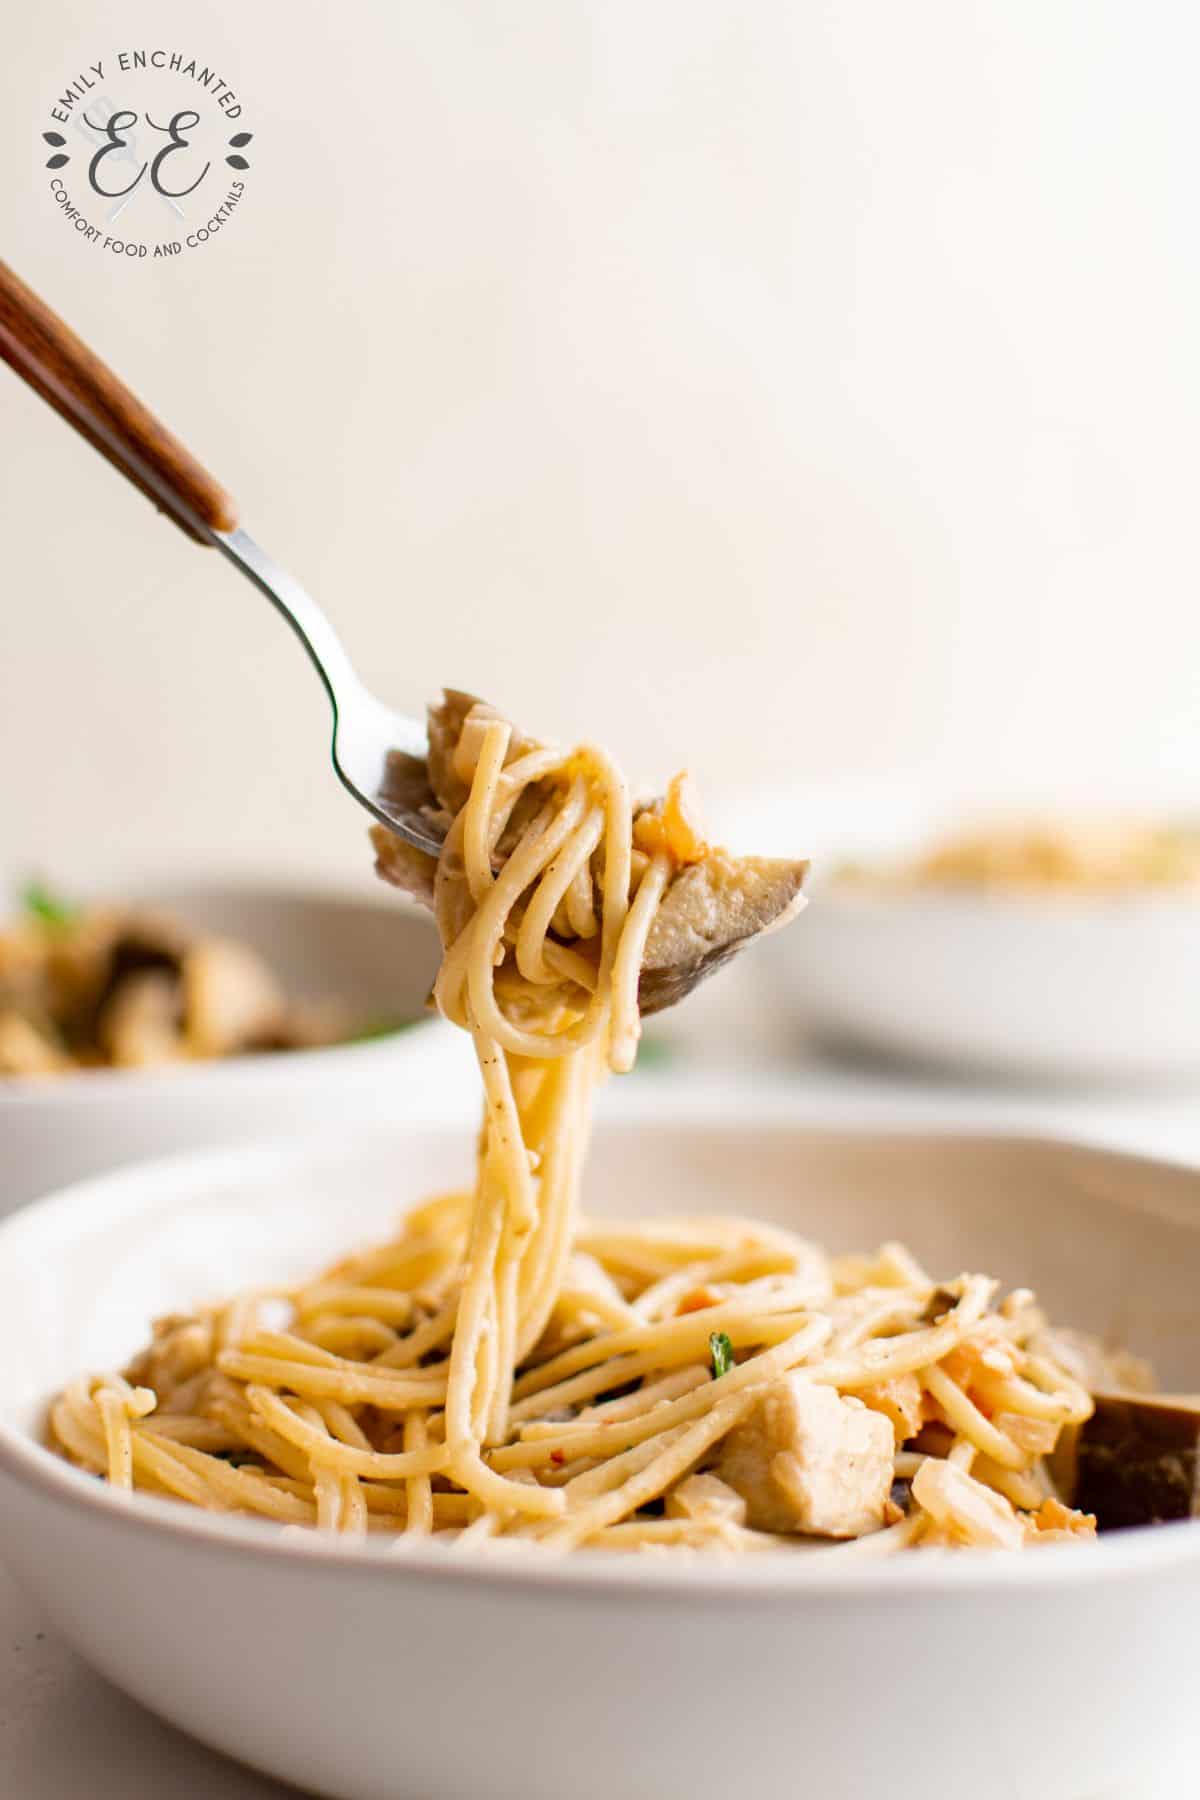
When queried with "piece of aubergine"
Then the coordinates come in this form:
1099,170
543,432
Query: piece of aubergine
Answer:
1135,1462
710,911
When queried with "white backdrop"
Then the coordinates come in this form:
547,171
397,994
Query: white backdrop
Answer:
802,387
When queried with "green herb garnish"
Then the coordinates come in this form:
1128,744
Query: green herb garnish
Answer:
39,903
720,1348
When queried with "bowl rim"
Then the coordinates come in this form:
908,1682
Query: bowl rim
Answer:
44,1474
1144,905
262,1068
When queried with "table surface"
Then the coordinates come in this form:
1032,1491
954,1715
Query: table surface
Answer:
65,1732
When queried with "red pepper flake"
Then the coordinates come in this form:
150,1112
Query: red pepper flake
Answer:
558,1458
698,1300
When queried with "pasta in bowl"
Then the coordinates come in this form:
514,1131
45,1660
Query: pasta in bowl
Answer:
347,1663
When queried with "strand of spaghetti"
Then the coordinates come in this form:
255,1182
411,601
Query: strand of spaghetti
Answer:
535,848
340,1332
474,1302
523,772
581,910
253,1435
431,1334
562,1151
570,965
659,1251
692,1534
674,1340
76,1425
662,1297
523,867
882,1543
1012,1393
118,1404
884,1358
603,1440
346,1459
505,1146
406,1262
472,1473
618,851
602,1478
354,1507
855,1328
240,1489
289,1347
576,1305
419,1491
342,1426
508,1263
630,1406
1021,1488
201,1434
352,1387
557,877
1059,1385
480,807
486,1369
478,1531
326,1481
967,1420
650,1482
626,1027
582,1387
463,1461
389,1306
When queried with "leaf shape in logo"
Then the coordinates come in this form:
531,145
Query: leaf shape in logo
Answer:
56,162
237,162
55,138
240,141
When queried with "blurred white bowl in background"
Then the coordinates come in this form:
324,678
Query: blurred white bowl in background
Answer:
374,955
1064,989
1054,988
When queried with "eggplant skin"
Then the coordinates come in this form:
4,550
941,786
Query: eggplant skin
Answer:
712,910
1137,1461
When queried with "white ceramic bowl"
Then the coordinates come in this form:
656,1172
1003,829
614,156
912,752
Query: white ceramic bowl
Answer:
362,1674
1069,990
374,954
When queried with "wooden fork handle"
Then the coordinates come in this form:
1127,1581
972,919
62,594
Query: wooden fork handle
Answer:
71,378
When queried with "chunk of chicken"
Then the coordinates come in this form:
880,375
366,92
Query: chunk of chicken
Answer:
899,1400
27,1050
964,1510
588,1290
230,998
139,1024
809,1460
708,1500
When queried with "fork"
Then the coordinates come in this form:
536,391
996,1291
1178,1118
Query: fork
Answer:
370,742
